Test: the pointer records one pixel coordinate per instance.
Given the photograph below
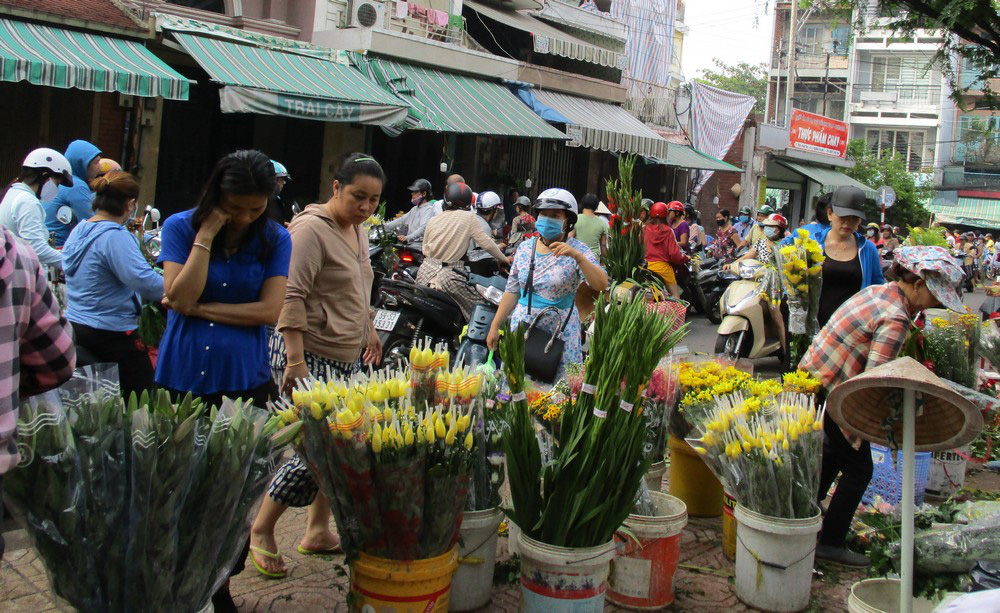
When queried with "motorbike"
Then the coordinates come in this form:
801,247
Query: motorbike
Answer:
408,313
748,329
702,272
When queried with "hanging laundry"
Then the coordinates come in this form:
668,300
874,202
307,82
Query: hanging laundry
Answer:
402,9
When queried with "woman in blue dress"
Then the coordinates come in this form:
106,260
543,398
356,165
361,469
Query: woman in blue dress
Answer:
225,264
560,265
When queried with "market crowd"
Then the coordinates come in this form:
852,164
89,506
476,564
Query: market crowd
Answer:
259,294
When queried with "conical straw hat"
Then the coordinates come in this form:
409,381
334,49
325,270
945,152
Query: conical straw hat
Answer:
865,407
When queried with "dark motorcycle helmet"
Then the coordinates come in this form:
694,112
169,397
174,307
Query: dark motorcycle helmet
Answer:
420,185
458,196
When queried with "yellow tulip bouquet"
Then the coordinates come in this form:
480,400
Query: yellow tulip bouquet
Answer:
396,472
768,458
801,278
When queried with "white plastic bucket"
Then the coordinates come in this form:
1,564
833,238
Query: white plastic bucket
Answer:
774,560
881,596
642,573
561,579
654,477
472,585
947,472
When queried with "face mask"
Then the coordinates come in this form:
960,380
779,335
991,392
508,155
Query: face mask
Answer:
744,218
49,191
549,228
871,233
133,213
771,232
416,201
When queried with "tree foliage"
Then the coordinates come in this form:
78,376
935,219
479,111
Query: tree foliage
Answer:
975,24
891,170
742,78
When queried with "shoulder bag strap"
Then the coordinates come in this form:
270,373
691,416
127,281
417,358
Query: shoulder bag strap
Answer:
529,286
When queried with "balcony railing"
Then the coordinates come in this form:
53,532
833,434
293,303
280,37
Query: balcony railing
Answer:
651,103
896,95
422,22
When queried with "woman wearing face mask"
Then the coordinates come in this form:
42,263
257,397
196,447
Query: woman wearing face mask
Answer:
225,266
22,213
551,271
325,330
871,233
774,226
106,274
727,239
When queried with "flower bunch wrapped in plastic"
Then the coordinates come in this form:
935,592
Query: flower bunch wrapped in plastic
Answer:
582,496
396,473
768,459
951,347
487,459
425,364
801,265
626,244
660,397
144,506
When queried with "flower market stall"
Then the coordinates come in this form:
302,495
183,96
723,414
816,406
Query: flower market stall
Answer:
122,501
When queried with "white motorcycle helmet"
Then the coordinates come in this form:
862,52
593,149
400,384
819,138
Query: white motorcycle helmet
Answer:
487,201
51,160
557,198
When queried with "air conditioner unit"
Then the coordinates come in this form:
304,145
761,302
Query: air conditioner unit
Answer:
366,14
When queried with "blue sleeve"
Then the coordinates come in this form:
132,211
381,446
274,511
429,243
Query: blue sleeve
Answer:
176,239
131,268
81,200
281,253
874,263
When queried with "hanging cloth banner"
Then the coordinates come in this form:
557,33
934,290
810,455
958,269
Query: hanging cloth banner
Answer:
249,100
717,116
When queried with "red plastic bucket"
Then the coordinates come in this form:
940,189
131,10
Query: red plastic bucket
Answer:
642,573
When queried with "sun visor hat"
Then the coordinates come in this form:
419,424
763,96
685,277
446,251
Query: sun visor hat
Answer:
848,201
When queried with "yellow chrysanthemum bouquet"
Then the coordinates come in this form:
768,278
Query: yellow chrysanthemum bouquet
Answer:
801,266
700,383
395,469
768,458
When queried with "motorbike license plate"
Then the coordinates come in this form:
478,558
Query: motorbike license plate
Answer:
386,320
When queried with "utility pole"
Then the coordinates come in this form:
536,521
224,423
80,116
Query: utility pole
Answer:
790,85
826,81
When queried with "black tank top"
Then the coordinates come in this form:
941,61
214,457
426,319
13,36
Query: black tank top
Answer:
841,280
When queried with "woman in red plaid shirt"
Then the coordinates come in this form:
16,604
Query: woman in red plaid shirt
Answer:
867,331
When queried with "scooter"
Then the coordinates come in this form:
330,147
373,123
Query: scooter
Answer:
408,313
747,329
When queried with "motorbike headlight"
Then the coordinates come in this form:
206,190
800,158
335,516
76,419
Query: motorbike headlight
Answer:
490,293
748,272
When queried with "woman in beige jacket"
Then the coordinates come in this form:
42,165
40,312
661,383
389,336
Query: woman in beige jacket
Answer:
325,327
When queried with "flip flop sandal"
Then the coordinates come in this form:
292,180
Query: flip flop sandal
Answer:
320,552
260,569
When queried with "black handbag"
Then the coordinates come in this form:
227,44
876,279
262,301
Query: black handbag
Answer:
542,354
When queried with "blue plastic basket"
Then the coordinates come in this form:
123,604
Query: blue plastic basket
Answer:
887,478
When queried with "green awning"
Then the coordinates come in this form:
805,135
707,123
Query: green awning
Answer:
825,176
56,57
268,81
976,212
448,102
684,156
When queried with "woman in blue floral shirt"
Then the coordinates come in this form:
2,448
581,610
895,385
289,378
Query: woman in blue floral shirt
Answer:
560,265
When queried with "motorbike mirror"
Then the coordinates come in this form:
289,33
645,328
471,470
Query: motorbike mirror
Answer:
154,214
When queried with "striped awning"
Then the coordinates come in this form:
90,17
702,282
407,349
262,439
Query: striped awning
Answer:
56,57
448,102
825,176
548,39
684,156
976,212
604,126
268,81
